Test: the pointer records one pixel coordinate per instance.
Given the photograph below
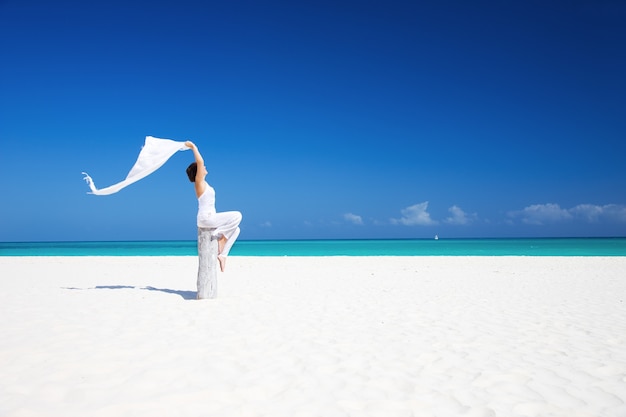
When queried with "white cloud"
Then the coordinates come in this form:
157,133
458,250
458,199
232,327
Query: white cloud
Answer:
540,214
266,224
594,213
353,218
415,215
589,212
458,216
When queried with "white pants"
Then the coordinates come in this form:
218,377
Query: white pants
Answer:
225,224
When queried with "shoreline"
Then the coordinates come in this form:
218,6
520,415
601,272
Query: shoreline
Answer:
344,247
328,335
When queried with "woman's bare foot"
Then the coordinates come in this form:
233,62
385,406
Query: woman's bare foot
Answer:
220,244
222,261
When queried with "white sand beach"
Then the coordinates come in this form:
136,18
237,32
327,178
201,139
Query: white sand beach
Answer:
316,336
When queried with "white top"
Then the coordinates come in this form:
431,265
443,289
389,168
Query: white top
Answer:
206,204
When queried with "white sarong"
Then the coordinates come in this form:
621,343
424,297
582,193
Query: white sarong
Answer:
153,155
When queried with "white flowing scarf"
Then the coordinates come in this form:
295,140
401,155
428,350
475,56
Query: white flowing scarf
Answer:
153,155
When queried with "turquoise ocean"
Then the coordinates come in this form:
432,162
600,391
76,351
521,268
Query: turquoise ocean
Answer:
362,247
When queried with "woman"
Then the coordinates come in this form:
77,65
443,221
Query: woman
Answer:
226,224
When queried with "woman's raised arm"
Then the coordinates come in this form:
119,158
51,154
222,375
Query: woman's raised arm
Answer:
196,152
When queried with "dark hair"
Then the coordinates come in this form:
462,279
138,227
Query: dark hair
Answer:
192,169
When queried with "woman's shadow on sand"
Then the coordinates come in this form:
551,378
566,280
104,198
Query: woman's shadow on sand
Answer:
187,295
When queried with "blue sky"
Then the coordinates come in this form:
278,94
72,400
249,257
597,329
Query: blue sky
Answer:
320,119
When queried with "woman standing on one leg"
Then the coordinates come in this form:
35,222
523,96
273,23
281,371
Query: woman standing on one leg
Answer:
226,224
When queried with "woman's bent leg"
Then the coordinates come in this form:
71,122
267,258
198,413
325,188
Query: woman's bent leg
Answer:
230,242
226,225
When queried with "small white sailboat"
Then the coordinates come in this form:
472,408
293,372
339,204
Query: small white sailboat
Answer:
436,237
